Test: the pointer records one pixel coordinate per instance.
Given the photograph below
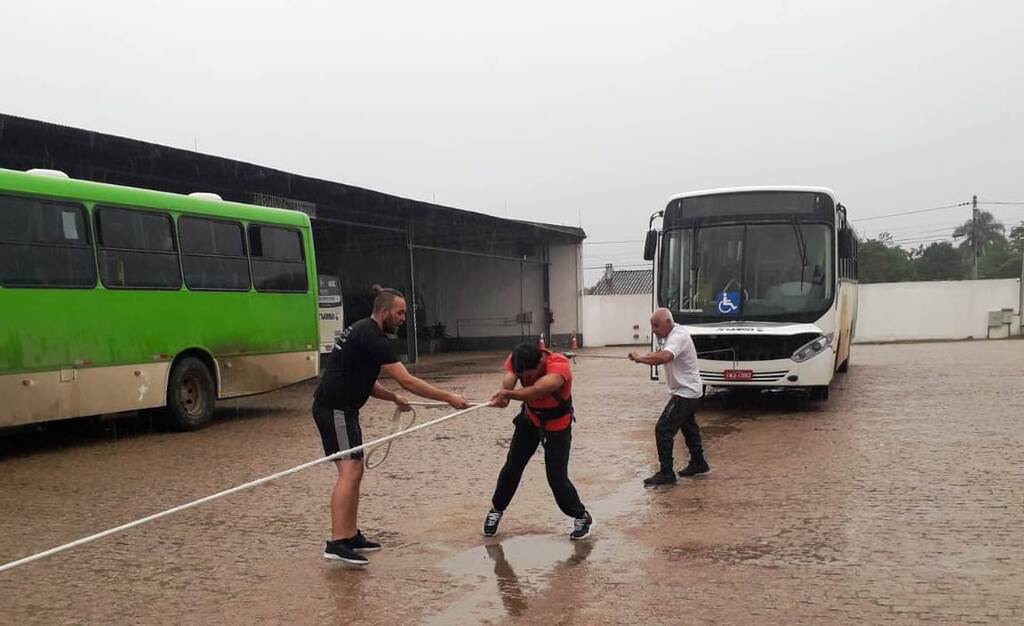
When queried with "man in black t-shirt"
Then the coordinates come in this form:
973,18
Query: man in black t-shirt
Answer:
348,380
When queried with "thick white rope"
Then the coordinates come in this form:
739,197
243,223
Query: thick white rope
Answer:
371,460
227,492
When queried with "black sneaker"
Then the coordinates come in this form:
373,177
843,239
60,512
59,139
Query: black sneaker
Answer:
491,523
337,550
359,543
700,467
581,527
663,477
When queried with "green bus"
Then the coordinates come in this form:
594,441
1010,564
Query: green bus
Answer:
118,299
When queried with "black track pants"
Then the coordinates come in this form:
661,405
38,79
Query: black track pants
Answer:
525,440
679,414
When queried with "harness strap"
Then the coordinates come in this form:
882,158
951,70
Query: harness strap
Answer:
543,415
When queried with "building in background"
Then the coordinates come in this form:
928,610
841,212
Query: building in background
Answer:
472,281
617,310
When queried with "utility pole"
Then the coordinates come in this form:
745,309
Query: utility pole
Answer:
974,236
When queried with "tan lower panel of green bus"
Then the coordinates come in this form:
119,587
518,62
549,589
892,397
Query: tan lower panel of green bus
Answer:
72,392
246,375
44,396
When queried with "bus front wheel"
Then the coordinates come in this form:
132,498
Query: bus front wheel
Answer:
819,393
190,395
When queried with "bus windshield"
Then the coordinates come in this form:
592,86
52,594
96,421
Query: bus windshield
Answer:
776,271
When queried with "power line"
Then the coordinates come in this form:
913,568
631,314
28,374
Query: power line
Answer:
593,260
620,267
905,242
920,233
922,240
927,233
1000,202
900,229
938,208
625,256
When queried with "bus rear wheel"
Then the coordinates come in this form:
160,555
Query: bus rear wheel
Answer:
190,395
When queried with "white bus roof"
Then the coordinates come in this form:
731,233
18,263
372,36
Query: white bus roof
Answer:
709,192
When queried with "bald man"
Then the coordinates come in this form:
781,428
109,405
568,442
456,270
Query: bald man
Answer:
678,355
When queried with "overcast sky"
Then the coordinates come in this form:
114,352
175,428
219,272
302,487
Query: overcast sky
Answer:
556,111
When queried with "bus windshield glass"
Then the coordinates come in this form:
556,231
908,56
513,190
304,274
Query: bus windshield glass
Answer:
767,271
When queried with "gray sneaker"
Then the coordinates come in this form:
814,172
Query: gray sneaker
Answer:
582,526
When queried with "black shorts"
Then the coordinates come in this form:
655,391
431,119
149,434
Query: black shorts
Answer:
339,430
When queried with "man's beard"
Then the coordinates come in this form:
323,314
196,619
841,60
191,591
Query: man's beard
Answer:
390,327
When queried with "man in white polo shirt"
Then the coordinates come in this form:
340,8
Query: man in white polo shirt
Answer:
678,355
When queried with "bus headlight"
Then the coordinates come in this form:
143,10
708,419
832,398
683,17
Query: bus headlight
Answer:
812,348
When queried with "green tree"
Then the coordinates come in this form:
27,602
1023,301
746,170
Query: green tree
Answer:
979,234
939,261
1000,260
881,262
1003,259
1017,239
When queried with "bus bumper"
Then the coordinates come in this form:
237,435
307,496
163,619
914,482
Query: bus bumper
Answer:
815,371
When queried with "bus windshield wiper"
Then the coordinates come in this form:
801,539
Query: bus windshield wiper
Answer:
802,246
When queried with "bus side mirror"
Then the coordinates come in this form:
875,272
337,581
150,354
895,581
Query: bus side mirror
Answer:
651,245
846,244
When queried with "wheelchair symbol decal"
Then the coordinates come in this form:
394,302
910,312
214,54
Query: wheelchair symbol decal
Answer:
728,302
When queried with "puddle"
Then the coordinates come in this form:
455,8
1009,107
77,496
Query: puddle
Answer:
499,579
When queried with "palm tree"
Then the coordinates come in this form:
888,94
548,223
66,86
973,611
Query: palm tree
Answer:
988,229
978,234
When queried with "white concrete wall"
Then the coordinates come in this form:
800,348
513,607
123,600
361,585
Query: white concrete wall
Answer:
934,310
566,289
616,320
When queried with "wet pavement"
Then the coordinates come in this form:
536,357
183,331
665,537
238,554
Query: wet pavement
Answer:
898,501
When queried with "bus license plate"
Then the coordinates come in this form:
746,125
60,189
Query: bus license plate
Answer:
739,374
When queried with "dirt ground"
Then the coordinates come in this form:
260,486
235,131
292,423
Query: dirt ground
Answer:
898,501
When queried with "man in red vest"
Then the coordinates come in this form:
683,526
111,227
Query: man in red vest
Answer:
545,418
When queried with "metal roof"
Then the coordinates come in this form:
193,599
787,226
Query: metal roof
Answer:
92,156
624,283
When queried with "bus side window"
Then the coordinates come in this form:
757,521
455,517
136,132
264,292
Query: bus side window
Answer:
213,254
278,263
137,249
44,243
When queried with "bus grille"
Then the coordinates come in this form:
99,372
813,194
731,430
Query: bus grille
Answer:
730,347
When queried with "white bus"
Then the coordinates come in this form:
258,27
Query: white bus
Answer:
765,280
332,312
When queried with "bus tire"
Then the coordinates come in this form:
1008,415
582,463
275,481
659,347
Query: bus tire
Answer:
190,395
844,366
